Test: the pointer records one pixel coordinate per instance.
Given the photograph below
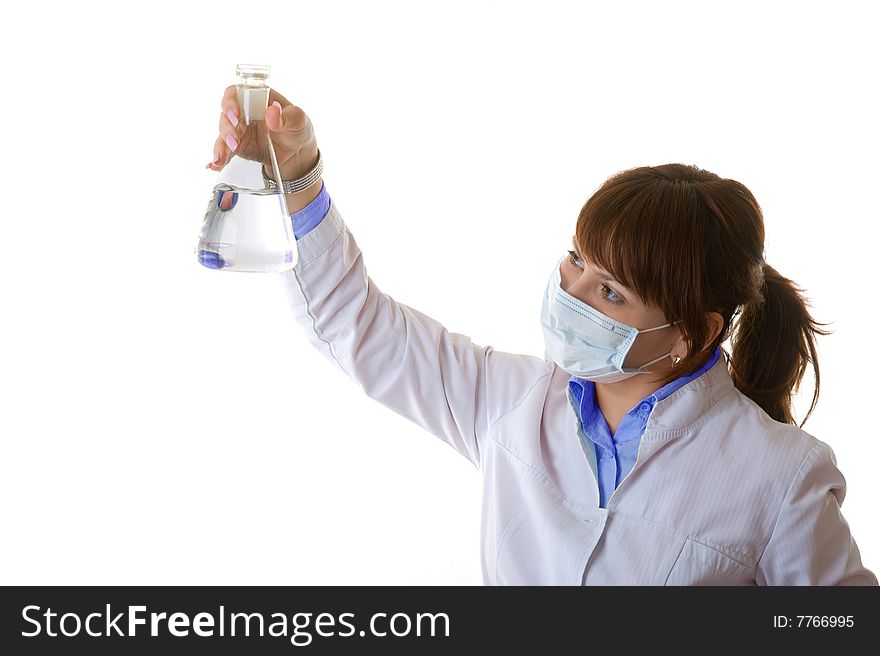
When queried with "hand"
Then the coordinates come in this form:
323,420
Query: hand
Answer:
292,137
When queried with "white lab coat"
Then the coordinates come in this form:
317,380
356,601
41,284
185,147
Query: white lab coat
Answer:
720,493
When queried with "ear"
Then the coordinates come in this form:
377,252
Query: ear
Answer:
716,324
680,346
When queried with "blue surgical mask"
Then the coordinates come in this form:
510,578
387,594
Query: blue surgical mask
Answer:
585,342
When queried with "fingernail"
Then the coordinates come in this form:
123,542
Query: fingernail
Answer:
232,118
231,142
216,154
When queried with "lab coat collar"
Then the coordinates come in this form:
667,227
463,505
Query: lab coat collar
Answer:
690,403
559,456
674,413
562,454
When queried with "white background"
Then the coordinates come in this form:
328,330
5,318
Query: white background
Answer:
163,423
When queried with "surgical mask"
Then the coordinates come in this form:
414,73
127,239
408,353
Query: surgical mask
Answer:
583,341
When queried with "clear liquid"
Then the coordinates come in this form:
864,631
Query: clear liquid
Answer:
244,230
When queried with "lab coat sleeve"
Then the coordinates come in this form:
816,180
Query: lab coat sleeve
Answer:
811,543
400,357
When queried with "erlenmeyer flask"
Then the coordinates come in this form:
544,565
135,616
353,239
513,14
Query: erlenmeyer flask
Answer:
247,227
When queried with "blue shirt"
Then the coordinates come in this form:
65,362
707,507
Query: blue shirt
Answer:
616,454
312,214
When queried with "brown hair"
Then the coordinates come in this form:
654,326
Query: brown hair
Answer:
690,243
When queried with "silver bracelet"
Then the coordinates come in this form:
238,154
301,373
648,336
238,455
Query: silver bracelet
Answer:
300,184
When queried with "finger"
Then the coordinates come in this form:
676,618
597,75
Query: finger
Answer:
274,96
229,105
225,126
288,119
272,116
229,134
221,155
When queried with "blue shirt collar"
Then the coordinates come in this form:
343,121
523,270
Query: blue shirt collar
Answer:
584,395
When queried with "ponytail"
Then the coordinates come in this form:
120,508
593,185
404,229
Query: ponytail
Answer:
692,243
774,341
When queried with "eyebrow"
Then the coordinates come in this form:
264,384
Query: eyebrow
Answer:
602,275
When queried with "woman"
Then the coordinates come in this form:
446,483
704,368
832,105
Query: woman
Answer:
638,451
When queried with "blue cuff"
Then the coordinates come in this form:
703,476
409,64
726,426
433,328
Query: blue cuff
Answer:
312,214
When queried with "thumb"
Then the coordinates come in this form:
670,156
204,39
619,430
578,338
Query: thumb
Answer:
274,119
290,118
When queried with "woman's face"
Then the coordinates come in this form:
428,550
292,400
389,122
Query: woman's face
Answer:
595,287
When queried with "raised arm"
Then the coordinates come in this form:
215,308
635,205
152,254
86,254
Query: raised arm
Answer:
399,356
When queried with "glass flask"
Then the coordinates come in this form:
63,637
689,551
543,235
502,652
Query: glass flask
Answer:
247,227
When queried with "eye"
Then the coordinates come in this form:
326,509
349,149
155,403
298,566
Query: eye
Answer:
606,293
610,295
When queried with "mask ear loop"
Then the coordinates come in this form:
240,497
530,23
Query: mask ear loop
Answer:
675,359
665,325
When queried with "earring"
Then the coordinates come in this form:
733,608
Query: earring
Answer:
675,360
